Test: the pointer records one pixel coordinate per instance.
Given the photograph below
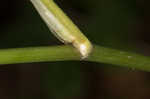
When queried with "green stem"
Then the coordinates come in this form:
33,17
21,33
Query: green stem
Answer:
66,53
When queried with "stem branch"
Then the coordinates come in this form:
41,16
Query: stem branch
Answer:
66,53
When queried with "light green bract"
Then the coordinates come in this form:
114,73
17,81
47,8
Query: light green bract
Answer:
62,27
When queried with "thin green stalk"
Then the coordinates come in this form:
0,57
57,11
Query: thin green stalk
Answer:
66,53
62,27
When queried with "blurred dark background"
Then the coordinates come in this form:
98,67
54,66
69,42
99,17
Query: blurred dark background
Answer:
119,24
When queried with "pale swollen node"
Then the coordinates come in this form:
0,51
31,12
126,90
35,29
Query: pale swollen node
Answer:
62,26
